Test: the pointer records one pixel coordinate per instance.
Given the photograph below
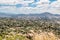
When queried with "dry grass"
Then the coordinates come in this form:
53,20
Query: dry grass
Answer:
45,36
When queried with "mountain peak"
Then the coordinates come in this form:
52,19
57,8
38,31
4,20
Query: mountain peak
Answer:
46,13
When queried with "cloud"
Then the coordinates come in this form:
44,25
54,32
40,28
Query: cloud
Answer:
55,7
24,10
31,6
28,10
8,9
7,1
15,1
44,0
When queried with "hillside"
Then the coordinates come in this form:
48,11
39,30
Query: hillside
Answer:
44,26
45,15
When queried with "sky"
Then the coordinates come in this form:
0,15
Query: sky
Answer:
30,6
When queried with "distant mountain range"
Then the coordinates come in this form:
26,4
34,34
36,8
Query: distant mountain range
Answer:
45,15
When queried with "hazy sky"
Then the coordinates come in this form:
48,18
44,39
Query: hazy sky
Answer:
30,6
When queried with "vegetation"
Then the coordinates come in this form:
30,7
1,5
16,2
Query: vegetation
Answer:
22,29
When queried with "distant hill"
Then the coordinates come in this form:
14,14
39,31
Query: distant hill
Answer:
45,15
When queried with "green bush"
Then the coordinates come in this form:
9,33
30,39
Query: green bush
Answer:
0,38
